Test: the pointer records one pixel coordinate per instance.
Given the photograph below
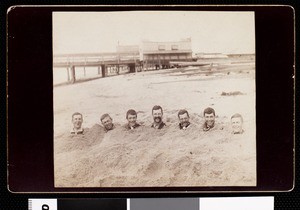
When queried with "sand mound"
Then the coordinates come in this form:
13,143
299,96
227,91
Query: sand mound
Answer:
149,157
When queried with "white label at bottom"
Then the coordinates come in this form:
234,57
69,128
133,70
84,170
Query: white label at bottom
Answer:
237,203
42,204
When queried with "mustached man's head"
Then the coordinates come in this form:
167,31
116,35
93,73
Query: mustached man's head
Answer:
157,114
184,118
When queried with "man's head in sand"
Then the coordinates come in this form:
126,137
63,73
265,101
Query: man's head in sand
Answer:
184,119
237,124
131,116
77,120
209,116
157,114
107,122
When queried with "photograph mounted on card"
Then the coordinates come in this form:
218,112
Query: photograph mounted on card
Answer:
150,99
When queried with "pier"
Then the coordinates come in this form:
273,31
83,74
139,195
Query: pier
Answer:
101,60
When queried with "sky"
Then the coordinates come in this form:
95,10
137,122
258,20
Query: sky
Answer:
210,32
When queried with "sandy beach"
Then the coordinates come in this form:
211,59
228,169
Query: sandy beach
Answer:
147,157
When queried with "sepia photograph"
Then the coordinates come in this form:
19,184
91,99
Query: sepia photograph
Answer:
154,99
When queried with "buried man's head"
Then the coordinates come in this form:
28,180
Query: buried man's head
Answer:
131,117
237,123
107,122
209,116
157,114
77,120
184,119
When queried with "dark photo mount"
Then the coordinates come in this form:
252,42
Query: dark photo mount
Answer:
30,99
92,204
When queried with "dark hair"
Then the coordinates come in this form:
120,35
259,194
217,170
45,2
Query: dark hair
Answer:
130,112
104,116
76,113
183,111
157,107
209,110
237,115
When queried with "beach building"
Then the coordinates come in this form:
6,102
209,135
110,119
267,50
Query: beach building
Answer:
156,55
129,52
128,49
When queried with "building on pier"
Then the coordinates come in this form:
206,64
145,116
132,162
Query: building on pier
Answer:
156,55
